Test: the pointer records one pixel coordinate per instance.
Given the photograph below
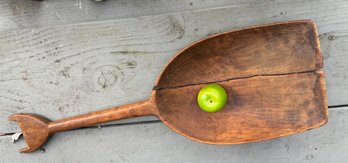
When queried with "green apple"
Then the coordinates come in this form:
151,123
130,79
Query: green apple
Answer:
212,98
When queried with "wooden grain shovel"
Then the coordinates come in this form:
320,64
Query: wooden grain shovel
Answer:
272,75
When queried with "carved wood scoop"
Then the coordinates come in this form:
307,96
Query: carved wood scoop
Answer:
272,74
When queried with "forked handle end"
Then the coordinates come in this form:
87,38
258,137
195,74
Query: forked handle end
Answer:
36,129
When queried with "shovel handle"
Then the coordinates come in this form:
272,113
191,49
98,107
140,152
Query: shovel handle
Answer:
126,111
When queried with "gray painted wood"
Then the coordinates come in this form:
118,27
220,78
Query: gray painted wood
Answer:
60,71
28,14
156,143
52,66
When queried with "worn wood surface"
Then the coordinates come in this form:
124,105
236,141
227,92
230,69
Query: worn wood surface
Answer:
73,69
291,88
254,112
37,130
284,57
154,142
28,14
22,35
269,49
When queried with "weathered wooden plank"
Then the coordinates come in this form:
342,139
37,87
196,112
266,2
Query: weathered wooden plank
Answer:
335,52
28,14
156,143
67,70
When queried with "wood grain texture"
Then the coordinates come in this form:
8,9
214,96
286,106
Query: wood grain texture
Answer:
71,70
258,108
281,48
19,14
155,142
299,103
37,130
326,144
150,48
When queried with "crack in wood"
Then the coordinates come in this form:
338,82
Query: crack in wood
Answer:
235,78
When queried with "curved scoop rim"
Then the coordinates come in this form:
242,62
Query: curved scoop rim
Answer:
156,86
170,125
